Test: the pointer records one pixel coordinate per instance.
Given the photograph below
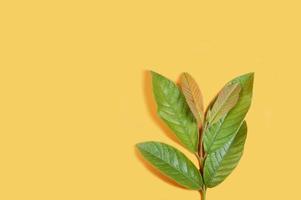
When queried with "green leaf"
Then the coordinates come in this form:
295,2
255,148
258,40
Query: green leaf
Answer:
226,100
193,96
173,109
172,163
219,164
217,134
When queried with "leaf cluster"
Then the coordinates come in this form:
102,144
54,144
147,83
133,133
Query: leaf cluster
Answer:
216,136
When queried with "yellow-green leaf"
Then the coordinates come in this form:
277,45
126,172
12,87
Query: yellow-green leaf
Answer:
217,134
226,100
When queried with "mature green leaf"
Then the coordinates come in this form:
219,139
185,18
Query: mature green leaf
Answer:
219,133
193,97
226,100
219,164
173,109
172,163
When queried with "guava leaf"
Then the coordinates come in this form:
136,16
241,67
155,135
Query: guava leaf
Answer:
194,97
217,134
220,164
173,109
172,163
226,100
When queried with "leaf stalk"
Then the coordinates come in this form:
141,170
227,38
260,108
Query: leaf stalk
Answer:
203,194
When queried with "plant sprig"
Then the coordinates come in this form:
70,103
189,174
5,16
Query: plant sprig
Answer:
216,136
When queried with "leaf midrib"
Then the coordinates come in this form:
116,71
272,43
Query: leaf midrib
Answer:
220,163
215,135
177,114
193,97
212,118
171,167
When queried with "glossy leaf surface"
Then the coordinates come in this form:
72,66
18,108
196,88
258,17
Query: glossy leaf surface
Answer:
217,134
219,164
172,163
226,100
173,109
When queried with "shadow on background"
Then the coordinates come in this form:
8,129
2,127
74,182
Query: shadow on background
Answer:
151,105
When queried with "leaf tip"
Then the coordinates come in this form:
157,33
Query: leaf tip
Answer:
139,145
184,75
249,75
243,79
142,145
153,73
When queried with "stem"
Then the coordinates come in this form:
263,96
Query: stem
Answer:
203,194
200,161
201,157
201,150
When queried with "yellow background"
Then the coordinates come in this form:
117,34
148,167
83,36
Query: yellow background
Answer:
75,95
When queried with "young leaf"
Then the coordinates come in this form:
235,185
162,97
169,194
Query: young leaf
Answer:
219,164
172,163
173,109
218,134
193,97
226,100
